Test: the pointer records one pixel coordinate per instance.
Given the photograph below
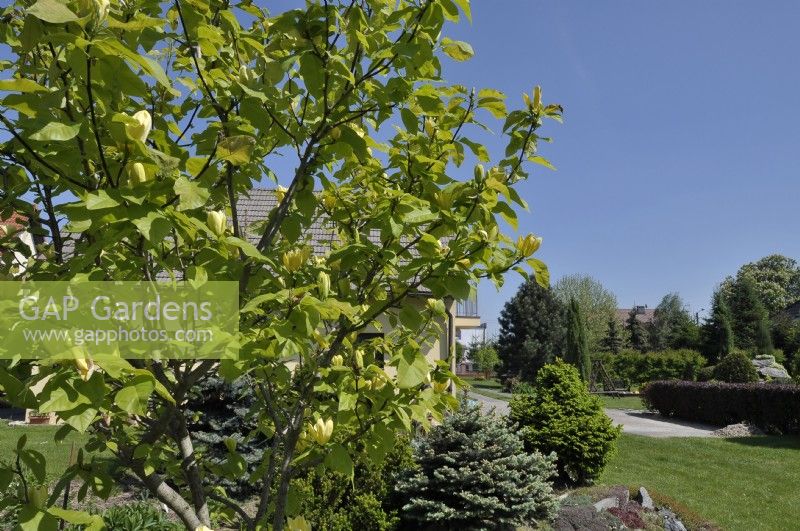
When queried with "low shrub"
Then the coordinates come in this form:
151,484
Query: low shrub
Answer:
636,368
138,516
561,416
335,502
474,473
706,374
735,368
773,408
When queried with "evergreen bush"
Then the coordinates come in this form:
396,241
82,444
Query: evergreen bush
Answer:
735,368
474,473
561,416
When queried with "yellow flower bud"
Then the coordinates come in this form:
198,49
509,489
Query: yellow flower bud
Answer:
464,263
136,173
441,387
38,496
322,430
528,245
294,259
527,100
337,360
244,74
217,222
537,98
280,193
141,129
101,8
298,523
324,284
85,367
479,172
427,378
430,127
359,358
336,133
329,201
435,305
443,199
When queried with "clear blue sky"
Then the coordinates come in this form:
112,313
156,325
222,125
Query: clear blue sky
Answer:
679,157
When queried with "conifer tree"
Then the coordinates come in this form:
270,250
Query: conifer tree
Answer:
637,333
750,319
531,331
474,473
717,331
613,340
577,346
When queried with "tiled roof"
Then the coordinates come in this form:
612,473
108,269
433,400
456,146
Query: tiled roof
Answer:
643,315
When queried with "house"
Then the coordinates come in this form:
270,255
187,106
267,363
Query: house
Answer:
254,207
643,314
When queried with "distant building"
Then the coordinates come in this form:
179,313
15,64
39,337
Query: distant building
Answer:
793,311
643,314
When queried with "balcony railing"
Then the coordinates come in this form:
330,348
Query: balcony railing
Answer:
467,307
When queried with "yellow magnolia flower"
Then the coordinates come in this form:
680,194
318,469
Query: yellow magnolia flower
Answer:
294,260
203,528
337,360
528,245
324,284
430,127
359,358
85,367
101,8
141,129
280,193
441,387
217,221
322,430
298,523
136,173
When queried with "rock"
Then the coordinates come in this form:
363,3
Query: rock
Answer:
671,522
606,503
776,373
645,500
764,361
742,429
621,493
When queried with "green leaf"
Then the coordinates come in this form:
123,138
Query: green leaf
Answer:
538,159
56,131
35,462
80,418
412,369
154,226
100,200
236,149
541,273
52,11
76,517
117,48
339,460
410,120
410,317
32,519
465,7
458,50
21,85
133,397
191,195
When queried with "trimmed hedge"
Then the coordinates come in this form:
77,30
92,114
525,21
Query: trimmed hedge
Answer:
772,407
634,367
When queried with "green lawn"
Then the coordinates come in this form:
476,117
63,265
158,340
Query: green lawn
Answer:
40,438
741,484
625,402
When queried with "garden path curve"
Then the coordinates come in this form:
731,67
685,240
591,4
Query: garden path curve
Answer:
633,422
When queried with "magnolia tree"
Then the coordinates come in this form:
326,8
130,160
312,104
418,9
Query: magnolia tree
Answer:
130,131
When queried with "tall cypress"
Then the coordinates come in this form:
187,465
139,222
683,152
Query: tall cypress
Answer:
637,333
750,321
613,341
718,331
577,344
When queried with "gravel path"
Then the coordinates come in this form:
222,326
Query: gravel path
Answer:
633,422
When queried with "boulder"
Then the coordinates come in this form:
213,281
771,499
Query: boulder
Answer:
606,503
671,522
645,500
